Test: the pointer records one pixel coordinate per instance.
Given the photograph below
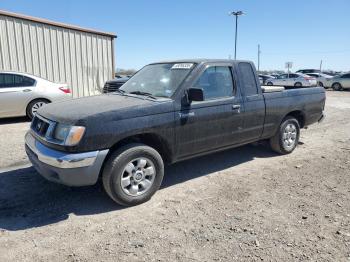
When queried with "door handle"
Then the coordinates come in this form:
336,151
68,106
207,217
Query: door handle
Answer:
27,90
186,115
236,108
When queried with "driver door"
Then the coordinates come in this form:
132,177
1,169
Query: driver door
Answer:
215,122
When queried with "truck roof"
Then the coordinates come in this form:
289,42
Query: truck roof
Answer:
201,60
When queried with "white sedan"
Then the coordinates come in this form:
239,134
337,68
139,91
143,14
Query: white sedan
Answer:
292,79
321,78
23,94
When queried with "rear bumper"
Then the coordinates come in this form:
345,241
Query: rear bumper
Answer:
79,169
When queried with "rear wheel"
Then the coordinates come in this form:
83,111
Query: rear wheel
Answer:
133,174
287,137
337,87
34,106
298,84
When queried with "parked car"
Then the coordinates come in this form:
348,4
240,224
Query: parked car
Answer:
292,79
167,112
338,82
23,94
307,71
263,78
321,78
331,73
113,85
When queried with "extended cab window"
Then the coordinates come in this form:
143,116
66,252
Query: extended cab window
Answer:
216,82
248,79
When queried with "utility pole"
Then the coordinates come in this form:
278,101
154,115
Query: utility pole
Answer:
236,14
321,66
259,52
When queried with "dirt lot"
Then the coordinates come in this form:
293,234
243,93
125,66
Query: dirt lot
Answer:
245,204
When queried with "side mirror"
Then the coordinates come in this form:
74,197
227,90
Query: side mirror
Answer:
195,94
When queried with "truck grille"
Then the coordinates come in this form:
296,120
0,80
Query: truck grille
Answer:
41,126
112,87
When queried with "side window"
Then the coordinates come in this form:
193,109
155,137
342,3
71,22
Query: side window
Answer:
22,81
293,76
18,79
216,82
248,79
346,76
6,80
27,81
283,76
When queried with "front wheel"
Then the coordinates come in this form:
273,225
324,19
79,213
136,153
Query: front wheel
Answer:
133,174
287,137
298,84
337,87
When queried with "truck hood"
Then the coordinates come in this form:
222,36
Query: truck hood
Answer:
111,107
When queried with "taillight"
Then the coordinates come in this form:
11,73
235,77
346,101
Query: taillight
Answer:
65,90
308,78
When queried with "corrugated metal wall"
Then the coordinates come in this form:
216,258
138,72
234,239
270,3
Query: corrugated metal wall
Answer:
80,59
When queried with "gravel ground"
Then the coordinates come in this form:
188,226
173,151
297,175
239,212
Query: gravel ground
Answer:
245,204
12,139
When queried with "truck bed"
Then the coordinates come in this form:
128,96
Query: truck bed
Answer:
309,100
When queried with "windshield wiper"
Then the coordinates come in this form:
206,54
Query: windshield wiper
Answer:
143,94
120,91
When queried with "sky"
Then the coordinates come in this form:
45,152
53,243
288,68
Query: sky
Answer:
299,31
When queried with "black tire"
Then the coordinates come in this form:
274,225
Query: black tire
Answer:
298,84
269,83
321,84
337,87
29,110
114,171
277,141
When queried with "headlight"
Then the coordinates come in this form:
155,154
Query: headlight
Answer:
69,135
61,132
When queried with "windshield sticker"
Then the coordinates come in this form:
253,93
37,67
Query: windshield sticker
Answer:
182,66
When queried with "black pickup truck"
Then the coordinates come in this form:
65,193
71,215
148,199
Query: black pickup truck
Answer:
167,112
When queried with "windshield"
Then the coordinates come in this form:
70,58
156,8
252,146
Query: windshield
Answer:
159,80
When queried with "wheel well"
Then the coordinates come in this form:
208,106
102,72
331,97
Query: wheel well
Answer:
149,139
298,115
336,83
39,98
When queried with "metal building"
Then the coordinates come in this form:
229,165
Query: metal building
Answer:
82,58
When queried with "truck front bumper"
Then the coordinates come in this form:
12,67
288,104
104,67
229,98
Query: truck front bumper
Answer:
80,169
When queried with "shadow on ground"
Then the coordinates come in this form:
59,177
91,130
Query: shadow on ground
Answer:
14,120
27,200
